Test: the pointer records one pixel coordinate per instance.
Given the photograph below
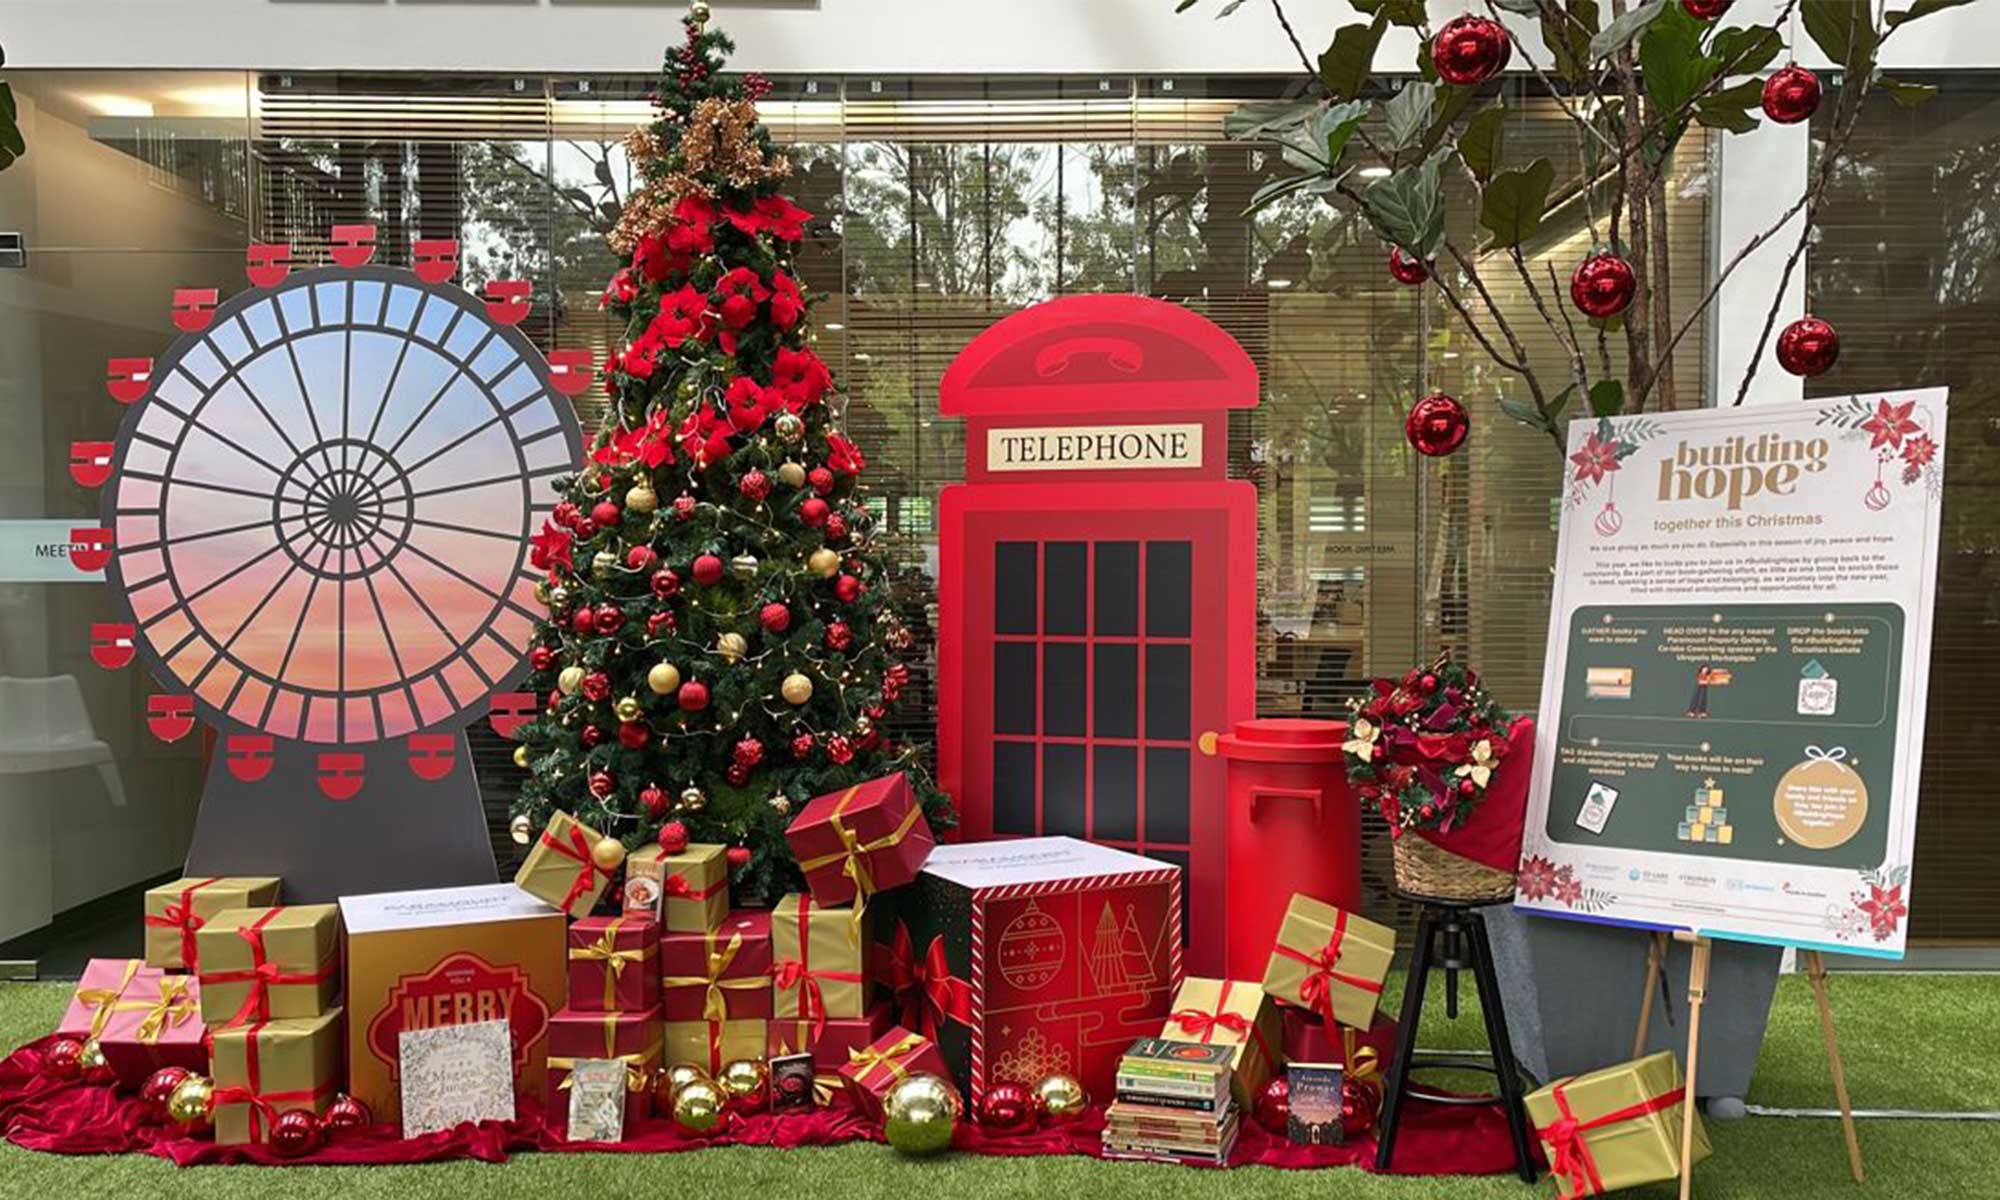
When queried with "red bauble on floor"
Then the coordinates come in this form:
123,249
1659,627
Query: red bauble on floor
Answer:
1602,286
1791,95
1437,424
1808,347
1470,50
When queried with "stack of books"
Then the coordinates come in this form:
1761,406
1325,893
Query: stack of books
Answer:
1173,1104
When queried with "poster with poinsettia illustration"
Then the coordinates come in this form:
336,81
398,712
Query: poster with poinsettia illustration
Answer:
1739,641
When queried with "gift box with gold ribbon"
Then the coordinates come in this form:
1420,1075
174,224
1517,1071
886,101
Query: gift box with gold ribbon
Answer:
899,1053
865,839
175,913
613,964
105,982
269,1067
633,1038
1228,1012
142,1017
687,890
816,968
721,974
1304,1038
1330,961
561,868
260,964
828,1041
1615,1128
709,1044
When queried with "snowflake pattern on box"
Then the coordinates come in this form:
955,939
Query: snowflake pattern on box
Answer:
1034,1057
1899,440
1875,910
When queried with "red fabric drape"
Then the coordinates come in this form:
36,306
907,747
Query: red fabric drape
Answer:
1493,835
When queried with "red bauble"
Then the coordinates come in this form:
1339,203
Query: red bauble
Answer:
295,1133
1008,1109
633,735
737,774
1406,268
654,797
821,480
839,636
814,512
755,485
848,588
1791,95
602,784
641,558
1808,346
666,583
541,658
583,621
802,745
836,529
1706,10
605,513
683,507
566,514
346,1115
1470,50
1360,1104
775,617
1427,683
596,686
158,1089
609,617
708,570
737,856
838,749
1602,286
659,621
747,752
673,837
591,736
693,696
1273,1106
1437,424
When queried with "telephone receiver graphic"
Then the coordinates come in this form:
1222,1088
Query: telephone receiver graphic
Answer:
1055,358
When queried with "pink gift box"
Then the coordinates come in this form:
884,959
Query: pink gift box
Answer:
142,1017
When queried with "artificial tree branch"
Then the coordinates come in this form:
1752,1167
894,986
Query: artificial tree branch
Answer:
1566,337
1285,23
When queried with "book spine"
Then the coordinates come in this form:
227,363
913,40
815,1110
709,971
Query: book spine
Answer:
1199,1104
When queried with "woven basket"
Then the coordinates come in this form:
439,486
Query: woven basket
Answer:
1424,868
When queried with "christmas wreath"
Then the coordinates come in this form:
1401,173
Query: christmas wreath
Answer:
1426,749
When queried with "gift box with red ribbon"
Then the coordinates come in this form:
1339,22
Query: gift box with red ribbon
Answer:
1228,1012
721,974
709,1044
142,1017
633,1038
613,964
175,913
260,964
269,1067
560,869
1615,1128
899,1053
1305,1038
817,961
827,1041
865,839
688,890
1330,961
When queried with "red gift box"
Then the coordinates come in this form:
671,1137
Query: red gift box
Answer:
1306,1038
828,1040
866,839
611,964
721,975
632,1037
870,1072
157,1023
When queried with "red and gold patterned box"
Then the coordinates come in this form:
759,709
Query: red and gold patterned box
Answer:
709,1044
613,964
899,1053
723,974
1330,961
1057,954
559,867
634,1038
867,839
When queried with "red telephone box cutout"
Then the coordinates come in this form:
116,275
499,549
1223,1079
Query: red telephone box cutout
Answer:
1097,585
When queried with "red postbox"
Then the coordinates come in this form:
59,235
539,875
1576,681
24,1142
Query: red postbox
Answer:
1293,827
1097,585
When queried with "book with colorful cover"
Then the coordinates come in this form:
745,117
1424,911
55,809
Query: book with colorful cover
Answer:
1314,1112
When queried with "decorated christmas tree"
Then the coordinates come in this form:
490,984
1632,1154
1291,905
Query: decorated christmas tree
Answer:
721,644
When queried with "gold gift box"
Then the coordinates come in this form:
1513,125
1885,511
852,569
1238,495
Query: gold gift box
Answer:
564,874
814,948
175,912
297,1066
1628,1126
1350,985
1226,1012
688,891
709,1044
300,942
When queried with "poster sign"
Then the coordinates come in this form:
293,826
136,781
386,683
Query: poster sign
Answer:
1739,642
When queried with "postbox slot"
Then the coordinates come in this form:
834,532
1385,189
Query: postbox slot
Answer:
1259,795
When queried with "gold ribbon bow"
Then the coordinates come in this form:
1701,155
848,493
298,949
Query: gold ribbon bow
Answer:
1362,744
605,950
1361,1063
104,1001
853,854
1482,766
715,1005
865,1060
173,1006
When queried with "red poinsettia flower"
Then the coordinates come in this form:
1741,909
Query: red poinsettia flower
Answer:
704,436
787,303
639,358
550,548
651,258
621,290
774,215
1567,889
737,295
1919,450
843,456
801,376
682,316
1595,459
749,403
1885,909
693,228
1537,877
647,444
1891,424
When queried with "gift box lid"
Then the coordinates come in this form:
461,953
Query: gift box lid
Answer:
427,908
981,866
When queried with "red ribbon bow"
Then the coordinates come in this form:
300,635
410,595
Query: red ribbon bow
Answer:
789,974
262,976
264,1105
1569,1151
1316,992
925,989
1202,1025
578,849
179,914
677,887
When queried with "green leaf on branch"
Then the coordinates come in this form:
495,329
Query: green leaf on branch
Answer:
1526,8
1230,8
1843,30
1260,117
1184,5
1607,398
1746,50
1278,189
1408,114
1560,401
1671,63
1451,102
1345,64
1527,414
1909,95
1622,30
1567,32
1408,207
1922,9
1479,146
1730,108
1335,124
1513,204
1409,14
1611,324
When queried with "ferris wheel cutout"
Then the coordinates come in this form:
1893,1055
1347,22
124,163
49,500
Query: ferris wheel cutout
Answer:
315,518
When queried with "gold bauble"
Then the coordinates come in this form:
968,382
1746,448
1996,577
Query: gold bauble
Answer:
796,689
780,804
627,708
608,853
792,474
863,726
542,593
520,828
1061,1097
731,646
698,1106
687,387
679,1076
569,680
92,1059
743,566
603,563
558,597
918,1115
745,1084
790,427
191,1102
641,498
664,679
692,799
698,11
521,757
824,562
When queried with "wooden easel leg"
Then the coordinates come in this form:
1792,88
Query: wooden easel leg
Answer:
1697,992
1655,950
1816,973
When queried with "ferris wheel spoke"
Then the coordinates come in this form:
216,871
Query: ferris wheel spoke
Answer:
252,455
389,390
222,649
298,626
382,618
454,527
306,401
202,484
168,543
462,577
430,406
230,574
389,564
249,393
472,485
498,417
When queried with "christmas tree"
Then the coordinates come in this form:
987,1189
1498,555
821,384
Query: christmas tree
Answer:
721,643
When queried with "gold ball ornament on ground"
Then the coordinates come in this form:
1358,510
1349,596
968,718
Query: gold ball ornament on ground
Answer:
641,498
743,566
824,562
732,646
698,1107
1061,1098
520,828
608,853
569,680
679,1076
190,1105
796,689
664,679
919,1114
627,708
745,1084
792,475
693,799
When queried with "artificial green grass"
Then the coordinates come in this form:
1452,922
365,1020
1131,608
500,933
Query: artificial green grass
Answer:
1910,1041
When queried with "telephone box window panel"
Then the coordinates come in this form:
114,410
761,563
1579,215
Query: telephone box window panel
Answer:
1096,585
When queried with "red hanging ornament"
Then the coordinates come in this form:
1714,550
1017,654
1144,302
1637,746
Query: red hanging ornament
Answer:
654,797
708,570
633,735
737,856
1791,95
566,514
1407,268
673,837
774,617
295,1133
693,696
608,618
747,752
591,736
1470,50
659,621
737,774
602,784
838,749
836,529
583,621
1437,424
346,1115
1706,10
541,658
802,745
641,558
1602,286
1273,1106
1008,1109
666,583
1808,347
605,513
839,636
814,512
683,507
821,480
596,686
755,485
847,588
